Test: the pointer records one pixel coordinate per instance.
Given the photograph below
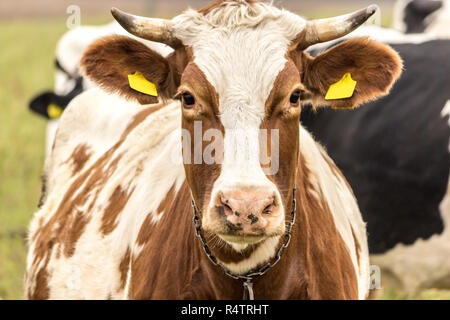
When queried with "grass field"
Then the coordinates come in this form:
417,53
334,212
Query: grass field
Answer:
26,68
26,65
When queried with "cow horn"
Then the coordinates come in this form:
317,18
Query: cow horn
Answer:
158,30
323,30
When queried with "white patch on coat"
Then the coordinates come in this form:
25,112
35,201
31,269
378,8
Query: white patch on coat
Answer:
342,204
92,272
265,251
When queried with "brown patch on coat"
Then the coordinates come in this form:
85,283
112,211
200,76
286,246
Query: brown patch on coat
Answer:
41,291
79,157
282,116
168,199
147,225
331,274
68,223
201,176
124,266
144,231
117,203
74,230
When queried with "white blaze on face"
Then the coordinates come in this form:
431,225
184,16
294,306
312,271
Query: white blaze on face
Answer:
241,50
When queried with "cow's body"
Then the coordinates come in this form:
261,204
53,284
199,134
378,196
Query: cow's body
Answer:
398,165
117,218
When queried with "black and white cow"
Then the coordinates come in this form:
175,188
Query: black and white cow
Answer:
395,154
417,16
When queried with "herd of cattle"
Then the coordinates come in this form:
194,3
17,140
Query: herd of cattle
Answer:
115,218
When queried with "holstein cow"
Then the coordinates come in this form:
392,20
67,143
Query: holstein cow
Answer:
395,154
69,82
116,220
428,16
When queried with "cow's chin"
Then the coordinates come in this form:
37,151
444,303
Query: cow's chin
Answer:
242,238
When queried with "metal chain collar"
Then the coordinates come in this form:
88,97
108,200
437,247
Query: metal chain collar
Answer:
248,277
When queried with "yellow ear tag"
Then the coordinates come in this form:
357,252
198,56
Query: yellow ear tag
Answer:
342,89
139,83
54,111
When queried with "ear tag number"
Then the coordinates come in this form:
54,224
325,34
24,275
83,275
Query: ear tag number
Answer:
139,83
342,89
54,111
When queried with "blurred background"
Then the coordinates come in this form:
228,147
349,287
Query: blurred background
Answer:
29,31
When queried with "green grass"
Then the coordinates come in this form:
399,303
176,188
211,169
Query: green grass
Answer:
26,68
431,294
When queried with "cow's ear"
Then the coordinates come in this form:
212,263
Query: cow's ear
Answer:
110,61
374,66
425,7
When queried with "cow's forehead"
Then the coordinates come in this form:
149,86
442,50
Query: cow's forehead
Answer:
241,51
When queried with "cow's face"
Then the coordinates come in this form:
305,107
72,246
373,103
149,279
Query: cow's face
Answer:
241,74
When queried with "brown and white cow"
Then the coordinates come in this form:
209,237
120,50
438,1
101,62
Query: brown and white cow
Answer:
116,220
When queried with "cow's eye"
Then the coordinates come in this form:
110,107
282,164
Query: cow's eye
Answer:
295,97
188,99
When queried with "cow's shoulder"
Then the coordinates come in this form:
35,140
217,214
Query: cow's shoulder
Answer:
91,124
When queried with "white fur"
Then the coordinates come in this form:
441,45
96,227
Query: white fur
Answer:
440,21
265,251
342,205
241,49
92,272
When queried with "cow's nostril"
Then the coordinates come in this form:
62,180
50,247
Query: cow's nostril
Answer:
228,209
254,219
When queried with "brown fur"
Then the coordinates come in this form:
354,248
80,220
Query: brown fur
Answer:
67,224
172,265
79,157
124,266
109,61
316,265
373,65
117,202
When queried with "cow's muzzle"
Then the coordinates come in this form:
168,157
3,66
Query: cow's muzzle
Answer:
246,216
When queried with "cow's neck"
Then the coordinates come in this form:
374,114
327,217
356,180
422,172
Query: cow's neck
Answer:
172,263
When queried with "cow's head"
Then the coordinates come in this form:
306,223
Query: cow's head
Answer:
414,16
239,67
